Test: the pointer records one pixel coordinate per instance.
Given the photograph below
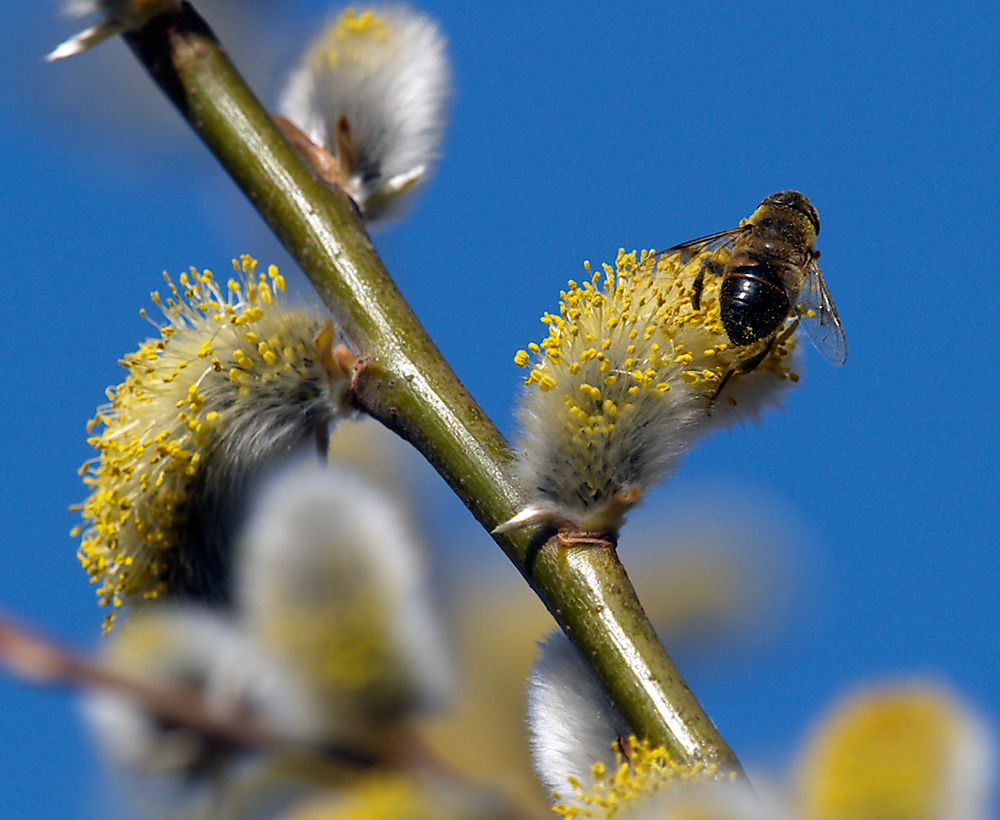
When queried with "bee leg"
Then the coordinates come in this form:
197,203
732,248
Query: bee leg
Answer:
707,266
747,367
697,287
788,332
752,364
715,395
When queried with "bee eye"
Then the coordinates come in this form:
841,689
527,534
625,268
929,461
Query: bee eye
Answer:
810,212
796,202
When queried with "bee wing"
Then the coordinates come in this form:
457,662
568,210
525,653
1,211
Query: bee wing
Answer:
686,251
818,315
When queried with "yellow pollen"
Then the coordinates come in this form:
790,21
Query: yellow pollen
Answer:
623,348
163,420
649,770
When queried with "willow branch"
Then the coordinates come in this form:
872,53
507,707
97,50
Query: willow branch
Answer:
407,385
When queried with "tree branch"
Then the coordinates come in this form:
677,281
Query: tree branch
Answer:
408,386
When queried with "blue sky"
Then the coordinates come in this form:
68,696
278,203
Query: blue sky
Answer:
576,128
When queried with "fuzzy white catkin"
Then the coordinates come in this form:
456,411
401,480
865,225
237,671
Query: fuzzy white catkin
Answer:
575,733
627,380
572,723
386,72
646,451
237,381
331,578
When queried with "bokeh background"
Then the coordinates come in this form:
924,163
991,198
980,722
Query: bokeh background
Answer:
850,538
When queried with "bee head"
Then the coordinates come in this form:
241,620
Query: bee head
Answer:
794,201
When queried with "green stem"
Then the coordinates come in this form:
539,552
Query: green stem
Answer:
408,386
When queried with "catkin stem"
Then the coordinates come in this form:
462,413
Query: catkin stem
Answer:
408,386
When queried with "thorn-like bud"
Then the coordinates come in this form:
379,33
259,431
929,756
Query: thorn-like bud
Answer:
117,17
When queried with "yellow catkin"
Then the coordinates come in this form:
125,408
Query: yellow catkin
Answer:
629,346
885,754
173,406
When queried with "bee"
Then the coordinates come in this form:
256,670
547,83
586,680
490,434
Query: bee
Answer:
769,273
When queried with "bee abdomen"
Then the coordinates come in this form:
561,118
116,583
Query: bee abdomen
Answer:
753,303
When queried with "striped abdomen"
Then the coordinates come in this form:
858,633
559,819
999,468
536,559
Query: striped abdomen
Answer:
753,302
